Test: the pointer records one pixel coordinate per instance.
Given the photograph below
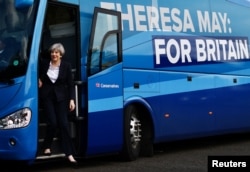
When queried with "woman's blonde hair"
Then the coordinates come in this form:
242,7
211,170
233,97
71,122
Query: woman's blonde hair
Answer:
59,47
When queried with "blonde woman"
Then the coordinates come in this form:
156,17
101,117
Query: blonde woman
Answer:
57,94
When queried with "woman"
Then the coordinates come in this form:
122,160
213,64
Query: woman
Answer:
57,94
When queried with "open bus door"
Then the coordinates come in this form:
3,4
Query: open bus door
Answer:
62,25
105,84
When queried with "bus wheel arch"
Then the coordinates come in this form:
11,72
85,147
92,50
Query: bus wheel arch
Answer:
138,132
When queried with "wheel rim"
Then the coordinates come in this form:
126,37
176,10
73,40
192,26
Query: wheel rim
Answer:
135,131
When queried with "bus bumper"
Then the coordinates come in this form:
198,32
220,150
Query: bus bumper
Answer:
16,147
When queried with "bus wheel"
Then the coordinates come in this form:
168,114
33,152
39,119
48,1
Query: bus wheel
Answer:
147,148
132,134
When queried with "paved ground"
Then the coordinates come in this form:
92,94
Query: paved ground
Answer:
182,156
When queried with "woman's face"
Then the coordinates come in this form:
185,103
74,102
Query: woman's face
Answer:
55,55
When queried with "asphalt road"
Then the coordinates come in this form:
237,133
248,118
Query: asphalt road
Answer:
181,156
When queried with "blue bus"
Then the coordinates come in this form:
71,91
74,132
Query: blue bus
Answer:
145,72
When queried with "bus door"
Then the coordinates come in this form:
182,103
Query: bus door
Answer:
105,84
61,25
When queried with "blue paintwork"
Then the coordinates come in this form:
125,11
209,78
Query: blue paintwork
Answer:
24,96
215,101
105,118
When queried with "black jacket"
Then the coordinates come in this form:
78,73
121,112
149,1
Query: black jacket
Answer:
63,87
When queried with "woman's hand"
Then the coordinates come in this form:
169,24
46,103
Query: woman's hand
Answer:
40,83
71,105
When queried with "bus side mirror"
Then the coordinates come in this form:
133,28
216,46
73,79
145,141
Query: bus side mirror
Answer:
23,3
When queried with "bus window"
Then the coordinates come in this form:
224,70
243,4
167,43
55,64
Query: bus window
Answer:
110,52
16,30
105,45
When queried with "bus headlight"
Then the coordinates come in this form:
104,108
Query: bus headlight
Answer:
17,119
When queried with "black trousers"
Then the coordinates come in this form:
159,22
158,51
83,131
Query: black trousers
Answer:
57,118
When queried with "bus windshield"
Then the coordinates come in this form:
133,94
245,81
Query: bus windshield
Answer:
16,29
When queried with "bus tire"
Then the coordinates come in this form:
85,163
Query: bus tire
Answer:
147,148
132,133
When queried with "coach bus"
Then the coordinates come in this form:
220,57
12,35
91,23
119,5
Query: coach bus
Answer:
145,72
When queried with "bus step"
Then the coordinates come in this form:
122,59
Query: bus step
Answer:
53,156
54,139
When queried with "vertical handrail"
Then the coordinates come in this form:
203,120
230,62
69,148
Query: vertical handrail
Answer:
77,84
77,102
